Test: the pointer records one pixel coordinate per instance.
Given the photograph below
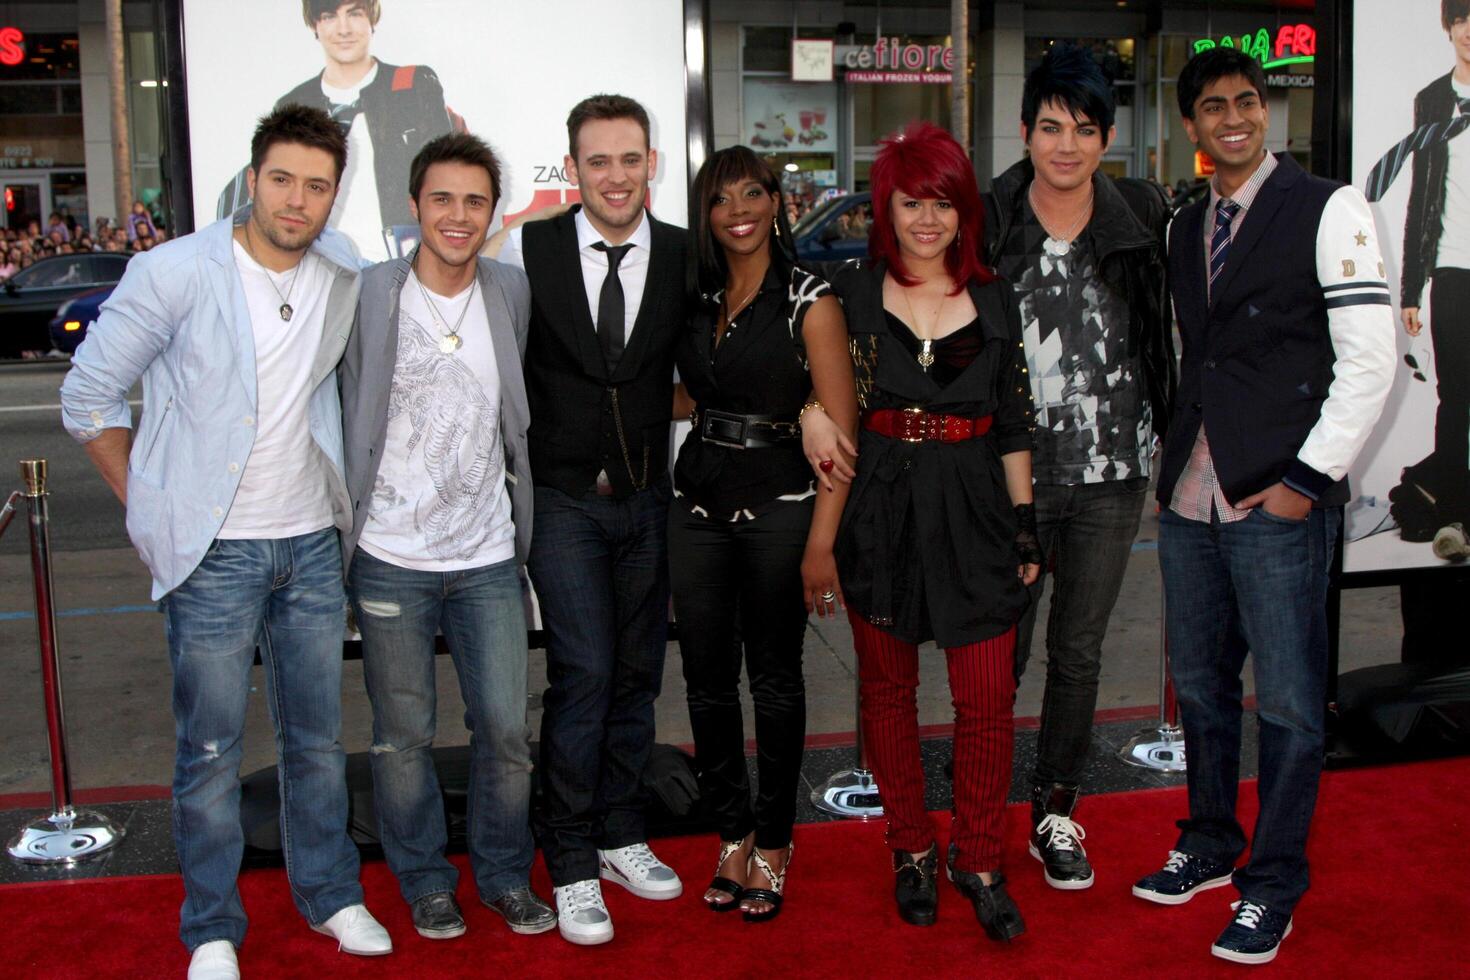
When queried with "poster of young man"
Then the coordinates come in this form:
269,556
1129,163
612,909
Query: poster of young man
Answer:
398,73
1411,157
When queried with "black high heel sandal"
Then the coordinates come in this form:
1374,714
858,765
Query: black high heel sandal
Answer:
771,896
719,883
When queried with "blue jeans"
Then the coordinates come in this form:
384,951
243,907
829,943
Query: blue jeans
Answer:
600,567
286,596
399,611
1257,585
1087,530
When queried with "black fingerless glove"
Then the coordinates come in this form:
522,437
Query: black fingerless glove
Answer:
1028,542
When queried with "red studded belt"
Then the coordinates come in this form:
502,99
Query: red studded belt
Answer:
917,425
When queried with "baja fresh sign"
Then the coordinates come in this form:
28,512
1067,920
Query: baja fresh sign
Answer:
1293,44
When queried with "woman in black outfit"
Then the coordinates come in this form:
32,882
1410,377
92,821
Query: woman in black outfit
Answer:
939,537
750,537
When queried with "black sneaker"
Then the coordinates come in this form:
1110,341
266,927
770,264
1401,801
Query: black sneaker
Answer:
1181,876
437,916
1254,936
1056,837
914,886
993,907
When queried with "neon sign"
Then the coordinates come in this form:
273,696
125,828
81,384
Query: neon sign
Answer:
1295,44
12,46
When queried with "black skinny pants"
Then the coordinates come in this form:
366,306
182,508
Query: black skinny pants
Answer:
733,584
1450,332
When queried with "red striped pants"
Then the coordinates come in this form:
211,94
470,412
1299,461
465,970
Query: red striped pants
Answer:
983,686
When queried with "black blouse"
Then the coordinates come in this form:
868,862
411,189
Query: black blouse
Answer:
758,368
927,545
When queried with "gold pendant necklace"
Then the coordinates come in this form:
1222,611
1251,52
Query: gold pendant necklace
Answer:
925,357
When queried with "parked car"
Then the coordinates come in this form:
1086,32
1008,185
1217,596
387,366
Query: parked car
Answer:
69,325
29,299
835,230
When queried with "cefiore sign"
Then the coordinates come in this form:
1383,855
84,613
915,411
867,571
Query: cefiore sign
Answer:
889,60
12,46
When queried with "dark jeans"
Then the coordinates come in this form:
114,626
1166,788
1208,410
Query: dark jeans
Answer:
1450,331
1087,533
601,571
1257,585
733,583
284,594
480,611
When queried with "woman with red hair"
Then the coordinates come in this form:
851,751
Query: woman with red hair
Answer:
938,540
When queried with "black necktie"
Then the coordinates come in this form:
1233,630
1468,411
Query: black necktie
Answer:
610,313
1225,212
1381,177
343,113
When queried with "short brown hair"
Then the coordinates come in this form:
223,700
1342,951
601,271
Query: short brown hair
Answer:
314,10
605,107
465,148
301,124
1453,10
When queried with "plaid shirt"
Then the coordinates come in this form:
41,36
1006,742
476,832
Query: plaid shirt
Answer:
1198,488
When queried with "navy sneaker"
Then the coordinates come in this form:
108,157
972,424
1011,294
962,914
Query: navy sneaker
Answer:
1181,876
1254,936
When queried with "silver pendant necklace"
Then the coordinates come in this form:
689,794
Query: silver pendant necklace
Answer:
285,310
1058,246
450,341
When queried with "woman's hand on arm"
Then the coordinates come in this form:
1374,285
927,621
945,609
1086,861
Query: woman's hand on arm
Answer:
824,332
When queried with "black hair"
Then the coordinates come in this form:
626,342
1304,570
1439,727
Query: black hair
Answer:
294,123
1211,65
1453,10
605,107
1070,75
464,148
707,266
314,10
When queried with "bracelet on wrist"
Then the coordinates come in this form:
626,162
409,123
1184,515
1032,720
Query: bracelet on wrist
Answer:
807,407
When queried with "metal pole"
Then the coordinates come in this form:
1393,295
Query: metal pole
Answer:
959,86
1159,747
851,793
67,835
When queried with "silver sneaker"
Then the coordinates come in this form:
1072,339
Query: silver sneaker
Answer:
524,911
580,914
637,869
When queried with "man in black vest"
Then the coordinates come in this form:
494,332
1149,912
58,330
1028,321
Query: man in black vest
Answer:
1288,337
599,374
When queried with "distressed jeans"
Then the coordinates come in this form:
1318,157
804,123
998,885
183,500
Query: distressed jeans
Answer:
285,595
1260,586
1087,532
480,611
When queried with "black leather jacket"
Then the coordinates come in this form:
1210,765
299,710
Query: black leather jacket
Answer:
1425,218
1129,226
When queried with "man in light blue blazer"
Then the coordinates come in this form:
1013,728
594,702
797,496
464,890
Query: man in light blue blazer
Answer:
235,493
435,415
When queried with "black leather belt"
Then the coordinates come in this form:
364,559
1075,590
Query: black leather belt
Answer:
744,431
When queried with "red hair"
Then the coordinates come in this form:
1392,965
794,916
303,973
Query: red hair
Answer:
924,161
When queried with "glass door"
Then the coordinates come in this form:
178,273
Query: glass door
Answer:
26,199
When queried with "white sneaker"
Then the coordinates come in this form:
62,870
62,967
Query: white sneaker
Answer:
637,869
357,932
214,961
581,915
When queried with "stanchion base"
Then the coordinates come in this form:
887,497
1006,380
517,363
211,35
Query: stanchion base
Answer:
64,838
1159,748
851,793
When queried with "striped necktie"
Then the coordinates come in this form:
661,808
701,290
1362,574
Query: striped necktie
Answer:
1381,177
1225,213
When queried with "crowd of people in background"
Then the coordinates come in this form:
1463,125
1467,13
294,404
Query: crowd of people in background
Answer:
64,235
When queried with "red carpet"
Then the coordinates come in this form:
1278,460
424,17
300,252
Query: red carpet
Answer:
1386,901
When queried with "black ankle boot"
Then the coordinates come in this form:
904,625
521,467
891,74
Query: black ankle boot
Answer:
993,907
1056,839
914,886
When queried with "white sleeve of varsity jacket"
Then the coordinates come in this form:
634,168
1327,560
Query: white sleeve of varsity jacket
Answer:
1361,325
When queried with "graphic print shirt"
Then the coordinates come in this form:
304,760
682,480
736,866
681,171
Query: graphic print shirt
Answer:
439,503
1093,421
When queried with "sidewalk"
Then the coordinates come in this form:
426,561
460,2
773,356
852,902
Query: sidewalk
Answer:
117,681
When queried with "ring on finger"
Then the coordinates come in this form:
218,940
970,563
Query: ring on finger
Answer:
826,466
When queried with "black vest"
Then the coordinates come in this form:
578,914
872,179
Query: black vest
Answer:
576,407
1257,360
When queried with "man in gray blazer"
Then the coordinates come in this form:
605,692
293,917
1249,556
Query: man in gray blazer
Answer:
435,418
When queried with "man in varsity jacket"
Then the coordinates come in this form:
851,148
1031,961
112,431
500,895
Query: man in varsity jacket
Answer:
388,113
1288,353
599,375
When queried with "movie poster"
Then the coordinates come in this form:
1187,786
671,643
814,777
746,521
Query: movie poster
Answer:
397,73
1411,484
